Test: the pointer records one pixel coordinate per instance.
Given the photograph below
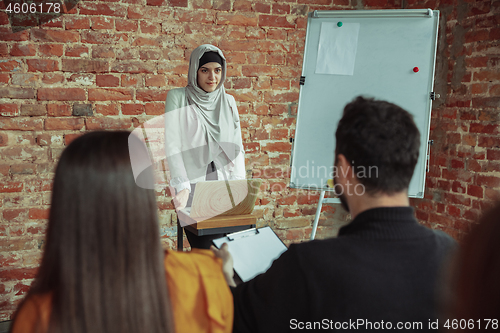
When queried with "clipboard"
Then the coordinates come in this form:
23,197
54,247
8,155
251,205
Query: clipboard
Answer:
253,250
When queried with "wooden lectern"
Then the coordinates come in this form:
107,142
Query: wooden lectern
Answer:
215,225
224,215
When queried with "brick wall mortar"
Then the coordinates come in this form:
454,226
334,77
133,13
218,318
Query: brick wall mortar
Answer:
121,58
464,177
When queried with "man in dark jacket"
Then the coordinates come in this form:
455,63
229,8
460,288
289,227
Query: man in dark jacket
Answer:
381,272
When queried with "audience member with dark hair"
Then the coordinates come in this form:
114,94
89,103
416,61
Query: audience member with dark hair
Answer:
474,297
381,270
103,267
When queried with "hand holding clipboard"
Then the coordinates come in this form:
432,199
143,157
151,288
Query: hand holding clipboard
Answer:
227,263
252,250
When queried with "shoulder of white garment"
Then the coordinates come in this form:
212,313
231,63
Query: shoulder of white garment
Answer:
175,99
232,101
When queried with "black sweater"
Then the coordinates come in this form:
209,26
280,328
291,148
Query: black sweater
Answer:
383,266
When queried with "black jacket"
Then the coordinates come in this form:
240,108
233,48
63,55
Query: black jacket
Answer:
380,273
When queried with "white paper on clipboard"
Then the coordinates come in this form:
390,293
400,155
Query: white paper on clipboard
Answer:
253,250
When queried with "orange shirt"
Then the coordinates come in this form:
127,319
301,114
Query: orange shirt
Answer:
200,298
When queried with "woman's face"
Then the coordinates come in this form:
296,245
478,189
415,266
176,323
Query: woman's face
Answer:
209,76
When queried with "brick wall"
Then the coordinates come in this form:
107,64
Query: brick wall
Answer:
464,172
109,65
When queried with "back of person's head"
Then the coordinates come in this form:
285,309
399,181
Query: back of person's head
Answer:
476,277
103,261
381,141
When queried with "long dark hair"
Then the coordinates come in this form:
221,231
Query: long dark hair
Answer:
103,261
477,274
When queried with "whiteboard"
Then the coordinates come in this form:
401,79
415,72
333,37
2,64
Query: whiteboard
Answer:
389,45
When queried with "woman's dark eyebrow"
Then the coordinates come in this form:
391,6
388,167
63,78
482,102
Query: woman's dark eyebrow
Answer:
209,68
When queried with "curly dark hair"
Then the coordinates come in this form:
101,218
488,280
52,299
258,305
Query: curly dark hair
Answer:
381,141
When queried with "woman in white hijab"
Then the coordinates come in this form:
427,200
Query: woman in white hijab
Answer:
203,133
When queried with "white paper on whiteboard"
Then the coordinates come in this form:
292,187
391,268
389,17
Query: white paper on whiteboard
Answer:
255,254
337,48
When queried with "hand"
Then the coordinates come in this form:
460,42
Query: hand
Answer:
180,200
227,263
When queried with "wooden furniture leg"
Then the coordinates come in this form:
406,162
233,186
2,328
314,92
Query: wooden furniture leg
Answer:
180,237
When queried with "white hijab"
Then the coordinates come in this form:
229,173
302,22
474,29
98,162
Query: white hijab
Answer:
213,108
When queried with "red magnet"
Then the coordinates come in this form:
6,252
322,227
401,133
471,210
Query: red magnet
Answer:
415,69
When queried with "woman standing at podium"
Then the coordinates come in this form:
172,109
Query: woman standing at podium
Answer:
203,133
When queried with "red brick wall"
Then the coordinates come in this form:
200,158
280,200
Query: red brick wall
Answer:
464,175
109,65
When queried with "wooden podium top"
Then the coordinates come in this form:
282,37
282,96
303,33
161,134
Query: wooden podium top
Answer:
219,221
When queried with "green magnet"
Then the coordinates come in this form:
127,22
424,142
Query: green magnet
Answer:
339,24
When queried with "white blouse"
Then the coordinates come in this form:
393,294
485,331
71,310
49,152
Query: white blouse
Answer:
186,138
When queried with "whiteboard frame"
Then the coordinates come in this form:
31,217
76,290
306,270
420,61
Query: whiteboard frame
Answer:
421,167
